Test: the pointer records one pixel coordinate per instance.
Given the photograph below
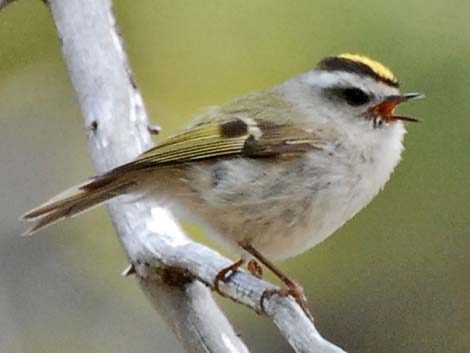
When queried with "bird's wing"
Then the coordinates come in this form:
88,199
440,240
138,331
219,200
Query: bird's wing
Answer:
249,138
233,137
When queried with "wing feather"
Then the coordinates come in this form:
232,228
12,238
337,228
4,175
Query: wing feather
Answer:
234,137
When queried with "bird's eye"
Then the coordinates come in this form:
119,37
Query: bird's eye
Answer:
354,96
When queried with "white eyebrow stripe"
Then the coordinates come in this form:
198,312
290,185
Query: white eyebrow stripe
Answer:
326,79
330,79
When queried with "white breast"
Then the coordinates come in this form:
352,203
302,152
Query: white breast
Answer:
369,159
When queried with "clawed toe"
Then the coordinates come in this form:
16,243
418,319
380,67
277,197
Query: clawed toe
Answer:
293,288
225,274
296,292
255,269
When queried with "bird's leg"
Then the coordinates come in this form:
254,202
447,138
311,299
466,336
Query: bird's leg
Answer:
222,275
293,288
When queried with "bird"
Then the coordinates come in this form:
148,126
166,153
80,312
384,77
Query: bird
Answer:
272,173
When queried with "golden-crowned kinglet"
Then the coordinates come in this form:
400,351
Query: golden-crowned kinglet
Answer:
274,172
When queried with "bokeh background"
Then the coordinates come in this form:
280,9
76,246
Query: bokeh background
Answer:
393,279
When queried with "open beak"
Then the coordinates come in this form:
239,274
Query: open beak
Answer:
384,110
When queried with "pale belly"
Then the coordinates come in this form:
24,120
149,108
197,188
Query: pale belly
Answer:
281,209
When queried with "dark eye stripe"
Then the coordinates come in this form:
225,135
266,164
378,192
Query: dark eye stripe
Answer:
354,96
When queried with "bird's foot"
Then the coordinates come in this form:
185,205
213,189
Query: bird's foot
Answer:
293,289
255,269
225,274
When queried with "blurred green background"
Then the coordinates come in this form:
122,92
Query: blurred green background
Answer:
393,279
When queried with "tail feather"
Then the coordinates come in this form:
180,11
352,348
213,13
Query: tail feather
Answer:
77,200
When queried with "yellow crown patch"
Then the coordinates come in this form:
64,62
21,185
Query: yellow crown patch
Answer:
379,69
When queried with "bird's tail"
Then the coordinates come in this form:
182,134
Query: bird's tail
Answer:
78,199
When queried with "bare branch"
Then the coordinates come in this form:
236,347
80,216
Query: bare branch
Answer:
204,264
117,123
171,268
